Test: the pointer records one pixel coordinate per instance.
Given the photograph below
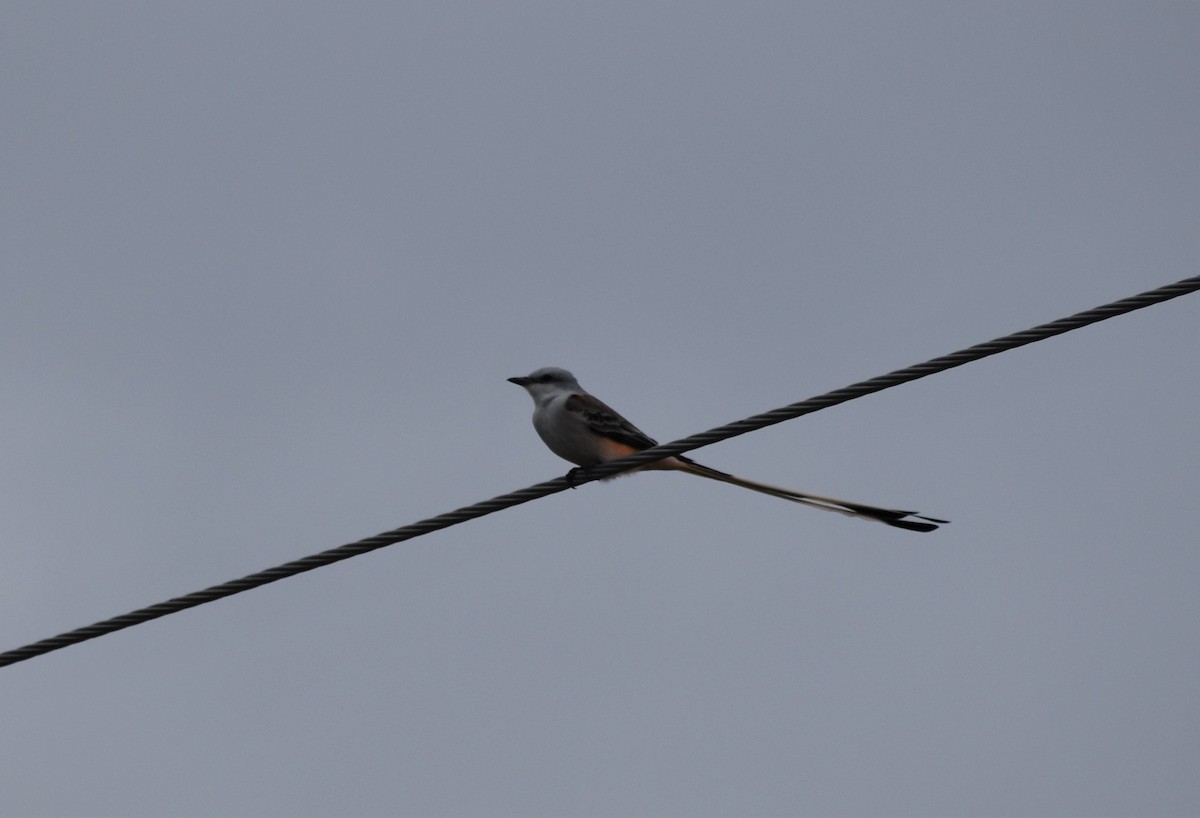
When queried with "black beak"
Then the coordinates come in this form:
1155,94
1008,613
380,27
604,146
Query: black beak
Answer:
519,381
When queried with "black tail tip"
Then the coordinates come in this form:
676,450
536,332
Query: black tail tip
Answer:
916,525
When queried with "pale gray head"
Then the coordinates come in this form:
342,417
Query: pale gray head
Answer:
549,380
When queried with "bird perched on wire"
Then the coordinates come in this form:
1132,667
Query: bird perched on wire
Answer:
583,430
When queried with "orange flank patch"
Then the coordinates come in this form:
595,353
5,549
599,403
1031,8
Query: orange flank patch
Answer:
614,450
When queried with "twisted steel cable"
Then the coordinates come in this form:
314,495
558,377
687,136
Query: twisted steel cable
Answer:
579,477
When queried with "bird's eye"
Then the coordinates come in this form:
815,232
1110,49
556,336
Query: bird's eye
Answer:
546,378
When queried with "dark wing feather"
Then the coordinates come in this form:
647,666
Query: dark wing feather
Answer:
607,421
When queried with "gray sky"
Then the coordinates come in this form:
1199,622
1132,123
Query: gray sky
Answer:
264,268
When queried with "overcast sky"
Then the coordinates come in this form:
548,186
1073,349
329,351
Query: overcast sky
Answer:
264,269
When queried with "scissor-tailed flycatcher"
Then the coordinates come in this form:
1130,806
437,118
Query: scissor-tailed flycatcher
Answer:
580,428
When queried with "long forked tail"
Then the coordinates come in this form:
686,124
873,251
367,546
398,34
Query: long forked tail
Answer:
888,516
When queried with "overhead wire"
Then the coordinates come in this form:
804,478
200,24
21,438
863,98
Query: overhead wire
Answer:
579,477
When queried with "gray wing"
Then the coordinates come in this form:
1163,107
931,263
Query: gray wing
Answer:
606,421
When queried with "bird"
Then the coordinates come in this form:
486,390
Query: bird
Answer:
582,429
